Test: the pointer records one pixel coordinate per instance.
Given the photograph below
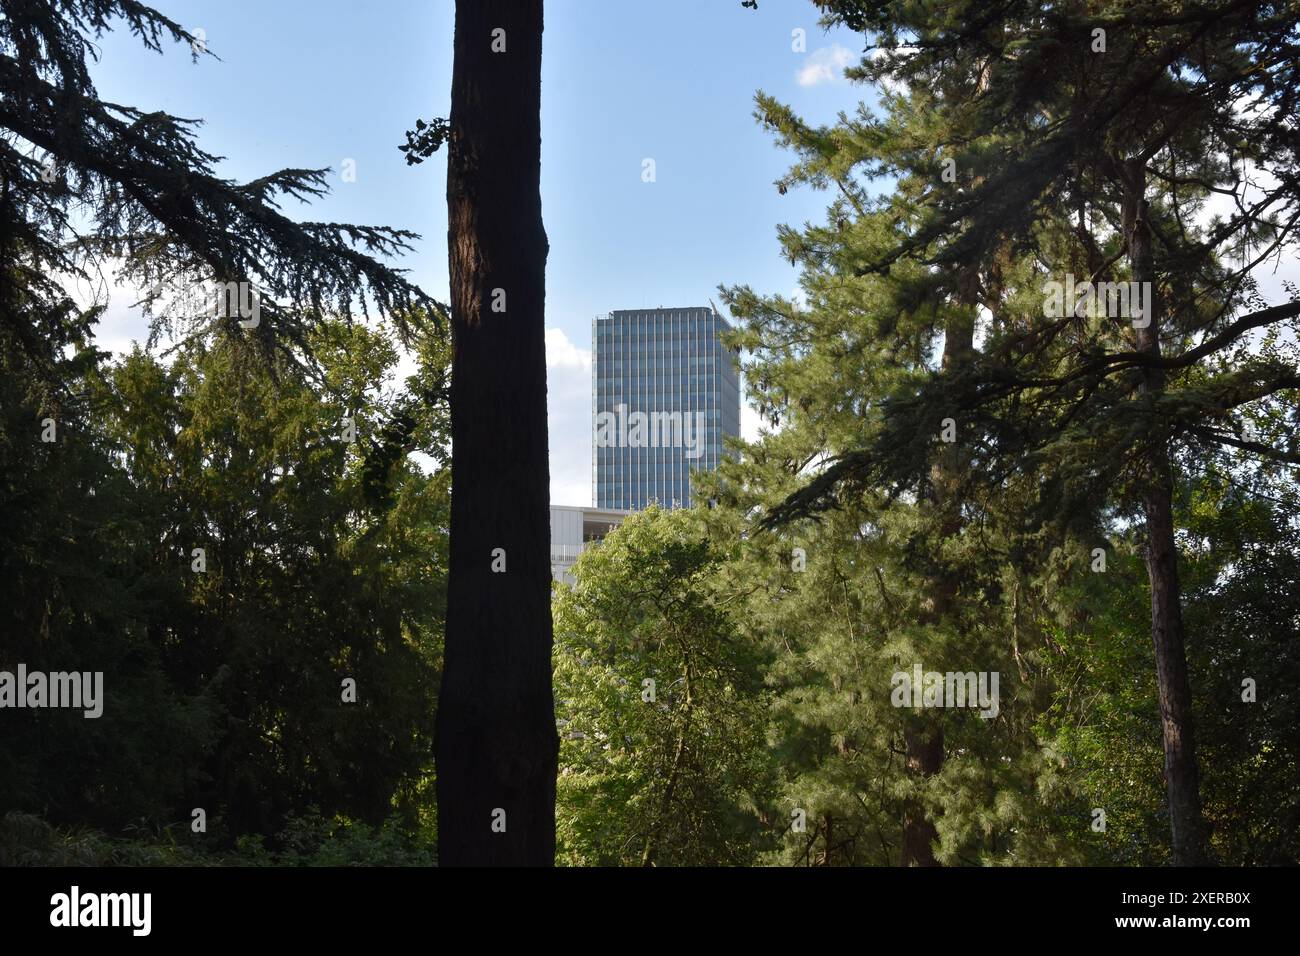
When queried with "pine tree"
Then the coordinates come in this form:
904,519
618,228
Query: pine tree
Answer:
940,572
156,203
1068,159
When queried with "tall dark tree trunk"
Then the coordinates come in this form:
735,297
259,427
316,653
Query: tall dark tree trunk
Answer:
496,741
924,741
1181,778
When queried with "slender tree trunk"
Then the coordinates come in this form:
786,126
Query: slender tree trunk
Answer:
674,774
496,740
923,735
1181,778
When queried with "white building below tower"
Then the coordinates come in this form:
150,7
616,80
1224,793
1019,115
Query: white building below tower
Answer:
573,530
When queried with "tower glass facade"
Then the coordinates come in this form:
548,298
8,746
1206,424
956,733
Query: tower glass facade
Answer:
665,393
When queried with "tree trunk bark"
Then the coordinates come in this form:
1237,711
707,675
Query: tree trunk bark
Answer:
496,742
924,741
1181,778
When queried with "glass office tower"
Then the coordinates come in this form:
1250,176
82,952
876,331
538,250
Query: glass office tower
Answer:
665,392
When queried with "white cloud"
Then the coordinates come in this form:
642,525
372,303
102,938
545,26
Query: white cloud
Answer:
568,418
825,65
563,354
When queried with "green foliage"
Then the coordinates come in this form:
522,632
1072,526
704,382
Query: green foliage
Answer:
312,840
925,304
224,686
667,780
324,559
1103,721
771,735
309,840
1241,560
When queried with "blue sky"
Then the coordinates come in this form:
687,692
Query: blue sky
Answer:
312,84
